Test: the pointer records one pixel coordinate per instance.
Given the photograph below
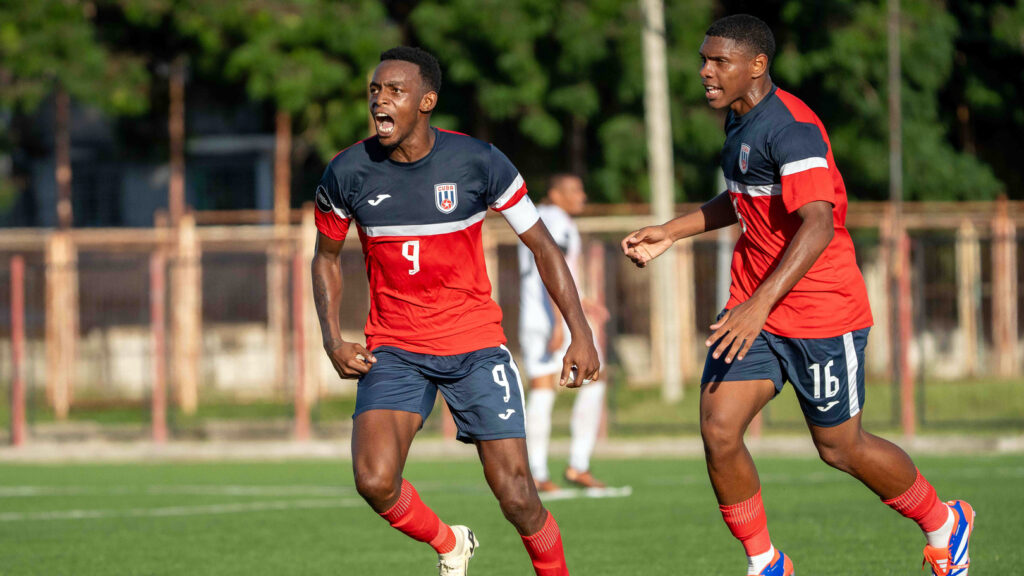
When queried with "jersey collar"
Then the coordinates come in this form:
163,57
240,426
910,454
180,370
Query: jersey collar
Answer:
437,142
755,111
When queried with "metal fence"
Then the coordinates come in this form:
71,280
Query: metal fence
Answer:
240,325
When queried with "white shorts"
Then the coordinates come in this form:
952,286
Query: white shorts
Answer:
537,361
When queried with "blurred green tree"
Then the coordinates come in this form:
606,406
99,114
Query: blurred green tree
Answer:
49,47
833,56
981,102
568,76
312,60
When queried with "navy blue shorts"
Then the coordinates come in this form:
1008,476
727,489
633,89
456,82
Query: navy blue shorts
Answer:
482,389
827,373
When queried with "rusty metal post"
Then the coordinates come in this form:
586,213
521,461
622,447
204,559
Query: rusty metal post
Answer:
158,335
1004,291
906,333
302,422
968,267
313,356
186,315
18,423
176,135
61,321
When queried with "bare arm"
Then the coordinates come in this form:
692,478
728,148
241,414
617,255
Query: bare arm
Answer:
648,243
742,324
350,359
808,243
559,283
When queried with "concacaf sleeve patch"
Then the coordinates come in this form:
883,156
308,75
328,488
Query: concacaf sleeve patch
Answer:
323,202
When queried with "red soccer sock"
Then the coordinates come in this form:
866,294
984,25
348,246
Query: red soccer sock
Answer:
416,520
749,524
921,504
545,549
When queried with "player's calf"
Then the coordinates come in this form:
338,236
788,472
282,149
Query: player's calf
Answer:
749,524
521,506
545,549
412,517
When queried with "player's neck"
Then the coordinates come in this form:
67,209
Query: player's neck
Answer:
415,146
758,91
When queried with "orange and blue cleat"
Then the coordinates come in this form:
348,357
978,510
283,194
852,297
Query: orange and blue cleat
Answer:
954,559
780,565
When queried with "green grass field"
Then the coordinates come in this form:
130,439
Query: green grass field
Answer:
255,519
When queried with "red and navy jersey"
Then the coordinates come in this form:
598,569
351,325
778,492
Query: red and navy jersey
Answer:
420,226
777,158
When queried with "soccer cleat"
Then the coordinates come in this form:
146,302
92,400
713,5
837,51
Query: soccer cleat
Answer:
546,486
780,565
953,560
456,562
582,479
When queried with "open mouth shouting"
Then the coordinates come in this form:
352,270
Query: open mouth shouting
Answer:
385,124
712,92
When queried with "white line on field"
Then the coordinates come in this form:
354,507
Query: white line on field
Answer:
827,476
576,493
170,511
190,490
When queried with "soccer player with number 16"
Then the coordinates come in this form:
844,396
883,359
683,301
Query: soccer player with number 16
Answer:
798,307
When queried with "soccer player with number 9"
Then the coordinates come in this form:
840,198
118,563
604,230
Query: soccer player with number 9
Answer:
419,196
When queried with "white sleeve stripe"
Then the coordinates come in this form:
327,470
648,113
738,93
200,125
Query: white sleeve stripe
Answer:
801,165
424,229
754,190
851,373
509,192
522,216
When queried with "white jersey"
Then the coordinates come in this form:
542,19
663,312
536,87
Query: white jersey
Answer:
535,307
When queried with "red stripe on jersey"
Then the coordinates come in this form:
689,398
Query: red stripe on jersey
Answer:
331,225
453,132
514,199
807,186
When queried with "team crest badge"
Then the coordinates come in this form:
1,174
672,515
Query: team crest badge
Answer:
446,197
744,158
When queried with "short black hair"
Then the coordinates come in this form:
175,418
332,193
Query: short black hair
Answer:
430,70
747,30
556,179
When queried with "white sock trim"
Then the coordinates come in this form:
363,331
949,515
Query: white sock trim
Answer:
940,538
755,564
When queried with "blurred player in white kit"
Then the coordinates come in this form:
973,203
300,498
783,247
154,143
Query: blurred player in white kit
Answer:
543,338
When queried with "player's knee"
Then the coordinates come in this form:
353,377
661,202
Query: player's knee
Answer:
377,486
518,503
836,454
719,434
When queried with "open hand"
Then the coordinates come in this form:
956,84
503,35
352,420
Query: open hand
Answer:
736,330
646,244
